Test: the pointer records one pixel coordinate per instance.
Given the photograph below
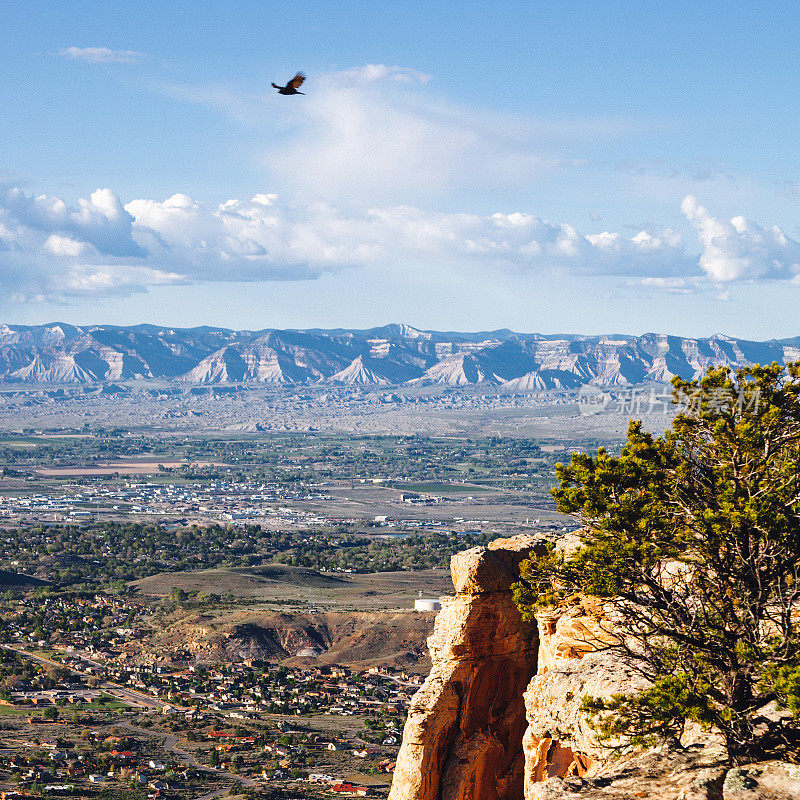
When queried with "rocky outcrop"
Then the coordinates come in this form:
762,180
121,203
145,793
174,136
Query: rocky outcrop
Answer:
559,741
694,774
697,773
463,737
496,677
770,780
564,760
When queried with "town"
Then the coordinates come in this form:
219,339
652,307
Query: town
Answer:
256,721
185,616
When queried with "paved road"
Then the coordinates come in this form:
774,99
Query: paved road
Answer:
404,684
124,693
115,689
188,760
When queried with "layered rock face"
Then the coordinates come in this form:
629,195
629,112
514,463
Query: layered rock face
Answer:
499,716
564,759
559,741
463,737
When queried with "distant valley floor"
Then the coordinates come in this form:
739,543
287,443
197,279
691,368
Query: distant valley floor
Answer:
472,411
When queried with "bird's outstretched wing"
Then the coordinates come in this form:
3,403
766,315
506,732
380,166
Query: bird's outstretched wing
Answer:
297,81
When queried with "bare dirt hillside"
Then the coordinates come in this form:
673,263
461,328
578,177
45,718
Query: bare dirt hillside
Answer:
296,616
360,639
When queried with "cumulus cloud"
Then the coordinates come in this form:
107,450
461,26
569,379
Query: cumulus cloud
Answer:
100,221
102,55
51,249
525,242
100,246
265,238
64,246
739,249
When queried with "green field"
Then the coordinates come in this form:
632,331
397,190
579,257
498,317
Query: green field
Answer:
445,488
110,704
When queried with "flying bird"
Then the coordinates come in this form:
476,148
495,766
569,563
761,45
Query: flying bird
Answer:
292,85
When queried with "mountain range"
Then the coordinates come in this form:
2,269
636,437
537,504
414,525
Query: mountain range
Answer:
58,354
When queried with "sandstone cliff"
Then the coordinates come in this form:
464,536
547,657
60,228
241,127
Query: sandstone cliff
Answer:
499,716
463,737
559,741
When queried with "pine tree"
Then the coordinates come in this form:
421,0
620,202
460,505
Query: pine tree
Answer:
693,539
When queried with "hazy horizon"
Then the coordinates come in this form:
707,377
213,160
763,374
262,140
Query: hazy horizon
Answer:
443,330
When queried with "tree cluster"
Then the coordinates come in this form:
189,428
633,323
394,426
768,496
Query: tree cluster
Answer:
692,540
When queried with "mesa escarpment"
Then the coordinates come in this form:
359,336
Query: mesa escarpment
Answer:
59,354
499,717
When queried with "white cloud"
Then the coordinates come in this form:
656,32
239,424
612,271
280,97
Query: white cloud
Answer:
377,134
739,249
51,248
100,221
370,73
101,246
114,279
524,242
265,238
64,246
666,285
382,135
102,55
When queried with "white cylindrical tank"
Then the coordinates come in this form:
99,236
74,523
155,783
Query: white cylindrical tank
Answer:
427,604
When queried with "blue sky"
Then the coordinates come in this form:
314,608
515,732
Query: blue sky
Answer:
582,167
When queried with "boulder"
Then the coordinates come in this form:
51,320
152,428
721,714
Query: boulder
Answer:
769,780
696,773
493,568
